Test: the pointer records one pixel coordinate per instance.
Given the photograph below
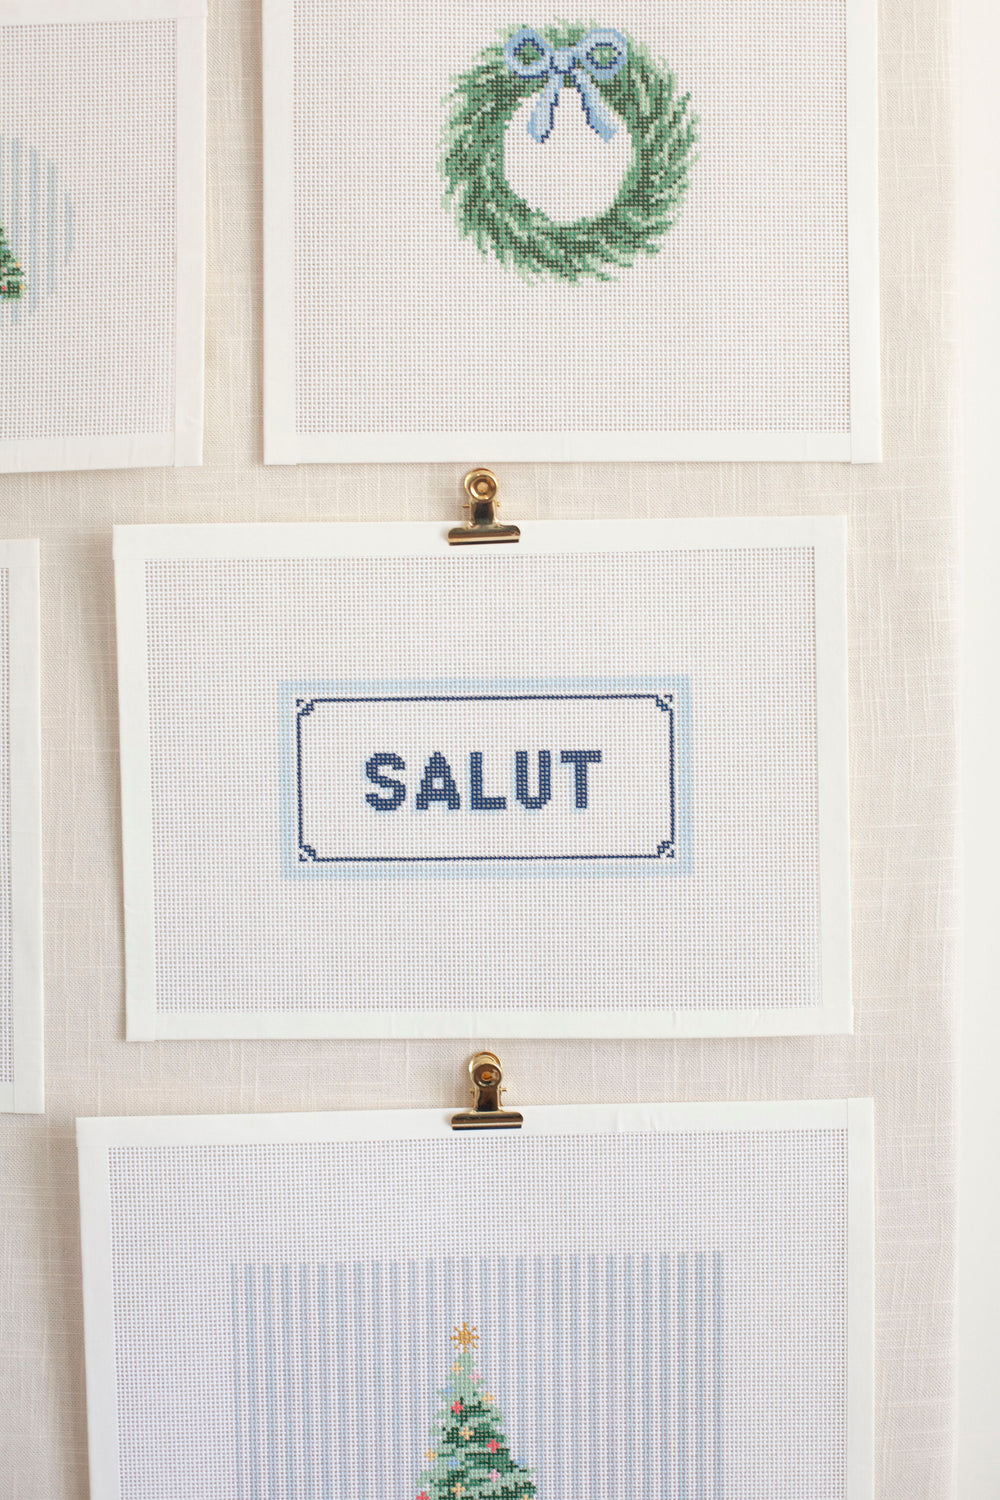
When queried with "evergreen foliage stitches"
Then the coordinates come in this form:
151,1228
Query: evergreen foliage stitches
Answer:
664,134
469,1457
11,275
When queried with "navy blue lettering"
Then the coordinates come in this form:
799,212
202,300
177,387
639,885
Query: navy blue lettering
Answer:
477,801
544,778
373,770
438,785
580,760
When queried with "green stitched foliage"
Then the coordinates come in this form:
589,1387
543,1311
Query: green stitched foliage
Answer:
11,275
469,1457
664,134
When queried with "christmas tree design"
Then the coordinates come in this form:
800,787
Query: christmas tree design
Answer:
11,275
469,1457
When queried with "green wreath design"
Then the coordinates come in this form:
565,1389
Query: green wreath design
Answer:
642,92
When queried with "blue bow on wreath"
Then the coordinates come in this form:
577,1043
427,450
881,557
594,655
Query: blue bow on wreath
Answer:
601,54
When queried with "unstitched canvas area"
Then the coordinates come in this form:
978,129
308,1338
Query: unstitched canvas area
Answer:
22,1083
6,926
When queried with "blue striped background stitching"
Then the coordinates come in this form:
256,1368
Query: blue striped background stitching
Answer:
32,218
609,1372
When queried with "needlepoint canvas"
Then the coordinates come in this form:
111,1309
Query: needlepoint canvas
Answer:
645,233
102,183
22,1080
593,783
625,1300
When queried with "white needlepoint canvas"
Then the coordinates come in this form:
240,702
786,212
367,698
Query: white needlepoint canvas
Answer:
21,1066
102,187
590,784
497,233
658,1300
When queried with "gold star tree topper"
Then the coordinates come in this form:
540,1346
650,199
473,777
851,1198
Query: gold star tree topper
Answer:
465,1338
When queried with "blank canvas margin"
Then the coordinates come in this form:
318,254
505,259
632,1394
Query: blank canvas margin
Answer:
862,444
135,545
26,1093
182,447
97,1137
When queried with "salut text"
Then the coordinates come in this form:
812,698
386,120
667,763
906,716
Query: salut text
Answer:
538,779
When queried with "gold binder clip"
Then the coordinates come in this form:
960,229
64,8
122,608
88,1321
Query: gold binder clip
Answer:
486,1113
482,505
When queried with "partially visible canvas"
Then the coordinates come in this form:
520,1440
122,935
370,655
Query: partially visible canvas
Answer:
667,1300
102,187
497,234
22,1079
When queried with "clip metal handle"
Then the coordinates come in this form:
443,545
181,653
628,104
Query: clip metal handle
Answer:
487,1091
482,526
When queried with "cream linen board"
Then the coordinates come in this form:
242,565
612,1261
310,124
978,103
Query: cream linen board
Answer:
901,574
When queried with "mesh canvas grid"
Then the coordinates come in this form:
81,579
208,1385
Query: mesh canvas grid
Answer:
735,927
6,928
738,324
87,203
656,1313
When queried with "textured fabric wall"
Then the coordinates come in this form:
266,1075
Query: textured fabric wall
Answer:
902,612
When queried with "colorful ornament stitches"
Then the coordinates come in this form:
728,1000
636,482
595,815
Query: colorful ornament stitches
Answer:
469,1451
614,76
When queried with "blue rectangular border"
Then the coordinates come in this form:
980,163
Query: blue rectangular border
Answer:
673,856
305,703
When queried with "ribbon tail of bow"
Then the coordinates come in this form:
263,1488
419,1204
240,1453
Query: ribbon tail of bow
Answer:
543,116
597,115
